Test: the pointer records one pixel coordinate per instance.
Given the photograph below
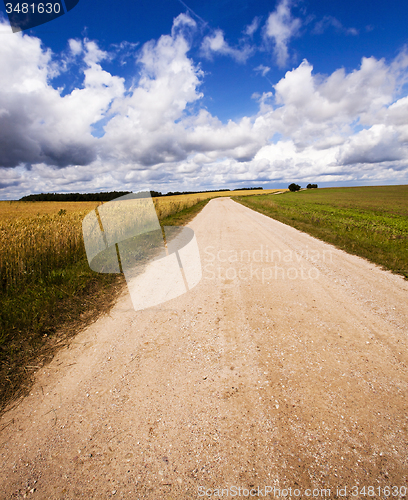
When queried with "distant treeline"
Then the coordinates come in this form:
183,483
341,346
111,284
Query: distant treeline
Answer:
74,196
175,193
112,195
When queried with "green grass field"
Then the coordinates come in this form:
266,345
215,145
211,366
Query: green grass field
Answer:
371,221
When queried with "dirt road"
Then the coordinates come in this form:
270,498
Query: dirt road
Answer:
285,367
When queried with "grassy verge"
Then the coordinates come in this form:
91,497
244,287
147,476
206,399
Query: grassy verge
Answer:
185,215
39,319
48,291
371,222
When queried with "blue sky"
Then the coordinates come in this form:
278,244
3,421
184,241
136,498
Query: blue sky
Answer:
173,95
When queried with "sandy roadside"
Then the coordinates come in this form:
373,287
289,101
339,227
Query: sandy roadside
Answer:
285,367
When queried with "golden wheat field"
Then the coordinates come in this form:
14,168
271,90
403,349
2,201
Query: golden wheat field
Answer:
39,237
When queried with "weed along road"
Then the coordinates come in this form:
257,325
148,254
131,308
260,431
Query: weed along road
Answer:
283,373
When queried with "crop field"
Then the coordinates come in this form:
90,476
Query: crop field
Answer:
371,221
37,238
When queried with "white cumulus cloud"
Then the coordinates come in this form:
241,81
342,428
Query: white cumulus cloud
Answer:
280,27
263,70
39,125
154,132
253,27
216,44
